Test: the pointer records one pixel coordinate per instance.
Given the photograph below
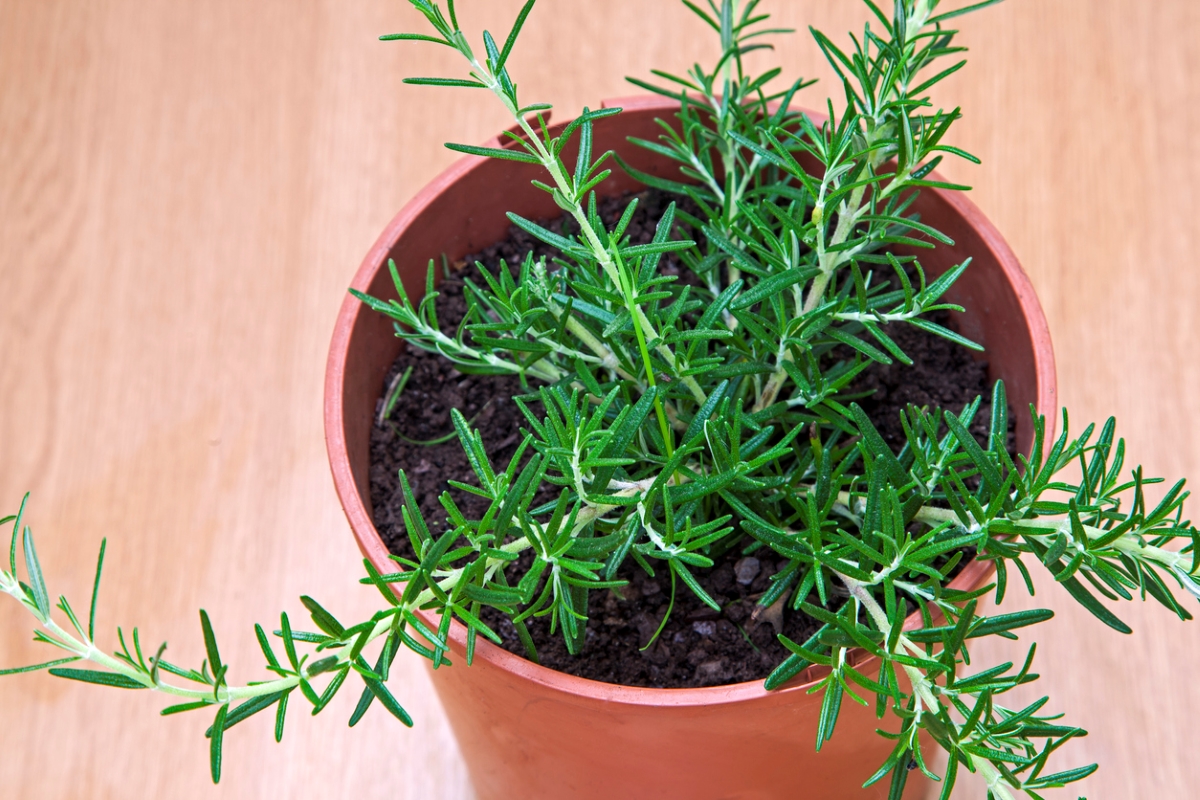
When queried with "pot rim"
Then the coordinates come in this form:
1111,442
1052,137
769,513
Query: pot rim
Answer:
371,544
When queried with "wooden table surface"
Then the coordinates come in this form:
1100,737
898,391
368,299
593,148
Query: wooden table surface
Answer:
186,189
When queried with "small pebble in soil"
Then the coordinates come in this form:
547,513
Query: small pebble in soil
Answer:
746,570
710,673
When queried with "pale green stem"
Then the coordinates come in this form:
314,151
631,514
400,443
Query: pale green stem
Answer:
920,683
999,787
1043,530
86,650
1129,544
545,371
642,323
607,358
922,687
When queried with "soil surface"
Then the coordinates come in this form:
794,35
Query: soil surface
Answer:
698,646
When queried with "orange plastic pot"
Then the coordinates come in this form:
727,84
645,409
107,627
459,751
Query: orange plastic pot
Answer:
529,732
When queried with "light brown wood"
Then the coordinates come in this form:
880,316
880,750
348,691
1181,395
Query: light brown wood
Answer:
185,191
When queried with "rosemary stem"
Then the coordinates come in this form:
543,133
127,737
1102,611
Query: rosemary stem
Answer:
85,649
1046,532
920,682
922,686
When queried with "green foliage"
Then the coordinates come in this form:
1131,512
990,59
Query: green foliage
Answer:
338,650
681,419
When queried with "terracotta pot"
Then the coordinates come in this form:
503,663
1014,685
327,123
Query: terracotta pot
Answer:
530,732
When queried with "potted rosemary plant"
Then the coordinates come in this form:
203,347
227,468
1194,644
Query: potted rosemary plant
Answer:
694,395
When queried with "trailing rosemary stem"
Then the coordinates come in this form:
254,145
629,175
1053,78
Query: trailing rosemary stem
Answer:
85,650
1048,530
922,686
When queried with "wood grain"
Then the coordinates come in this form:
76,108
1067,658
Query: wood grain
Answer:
186,188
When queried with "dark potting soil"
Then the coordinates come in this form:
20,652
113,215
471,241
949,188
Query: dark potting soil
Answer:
698,646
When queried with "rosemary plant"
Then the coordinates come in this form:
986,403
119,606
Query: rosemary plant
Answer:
682,419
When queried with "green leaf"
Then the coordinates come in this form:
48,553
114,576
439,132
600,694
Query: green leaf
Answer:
878,447
772,286
694,585
38,584
987,626
324,620
624,434
96,590
700,13
931,232
873,353
1059,779
945,333
654,248
958,12
389,702
331,690
310,694
583,161
568,247
210,643
364,703
831,706
182,707
412,37
289,643
268,652
980,458
899,780
445,82
494,152
794,663
492,596
214,752
16,521
101,678
696,426
512,35
1089,601
320,666
36,667
1057,549
281,714
998,437
247,709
